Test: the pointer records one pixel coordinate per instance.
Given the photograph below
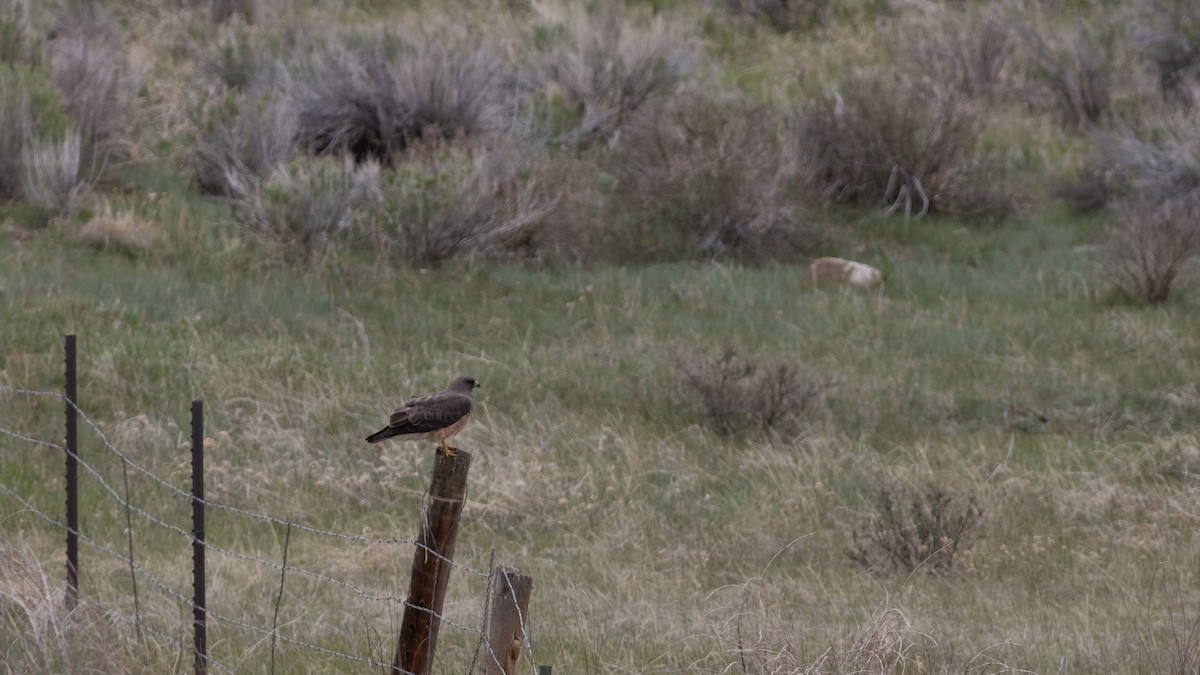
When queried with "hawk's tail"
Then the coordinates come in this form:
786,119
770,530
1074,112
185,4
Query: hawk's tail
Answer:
386,432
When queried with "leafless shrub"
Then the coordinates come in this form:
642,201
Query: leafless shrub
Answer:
1153,245
98,84
18,44
241,139
911,153
608,68
52,177
970,53
1159,164
310,201
1167,35
1180,654
237,62
14,129
783,15
1092,188
913,529
374,101
1078,70
736,401
701,178
442,203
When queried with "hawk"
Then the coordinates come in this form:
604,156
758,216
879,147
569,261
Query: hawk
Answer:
434,417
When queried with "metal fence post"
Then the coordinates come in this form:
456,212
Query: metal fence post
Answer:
199,606
72,445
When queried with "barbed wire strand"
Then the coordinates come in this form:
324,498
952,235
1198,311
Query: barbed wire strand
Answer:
137,614
287,538
168,638
487,599
217,505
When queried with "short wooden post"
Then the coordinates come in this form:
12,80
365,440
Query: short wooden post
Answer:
432,564
507,617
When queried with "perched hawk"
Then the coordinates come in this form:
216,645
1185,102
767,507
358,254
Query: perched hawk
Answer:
434,417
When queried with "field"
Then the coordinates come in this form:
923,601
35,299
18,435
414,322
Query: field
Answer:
988,464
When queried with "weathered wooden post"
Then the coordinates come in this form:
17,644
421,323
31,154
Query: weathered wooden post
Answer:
506,622
432,564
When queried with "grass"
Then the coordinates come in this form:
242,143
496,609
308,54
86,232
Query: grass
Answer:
994,363
985,363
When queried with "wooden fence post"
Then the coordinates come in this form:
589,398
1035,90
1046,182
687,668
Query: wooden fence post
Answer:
507,618
432,564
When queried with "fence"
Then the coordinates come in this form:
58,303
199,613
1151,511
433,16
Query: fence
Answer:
497,602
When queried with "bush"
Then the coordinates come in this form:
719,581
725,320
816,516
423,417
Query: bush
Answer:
376,100
441,203
882,142
735,401
99,86
1078,71
1169,38
1154,244
968,53
18,43
607,69
915,529
701,178
241,139
31,107
309,202
782,15
52,177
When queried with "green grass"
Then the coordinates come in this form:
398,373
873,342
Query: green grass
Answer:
989,364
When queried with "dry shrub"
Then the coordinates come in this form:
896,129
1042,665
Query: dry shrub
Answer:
99,85
782,15
735,401
701,178
608,67
1167,35
879,141
376,99
18,42
448,201
52,178
1153,246
30,107
1077,69
241,139
122,231
309,202
913,529
239,62
965,52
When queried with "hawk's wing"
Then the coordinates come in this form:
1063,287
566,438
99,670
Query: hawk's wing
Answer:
430,412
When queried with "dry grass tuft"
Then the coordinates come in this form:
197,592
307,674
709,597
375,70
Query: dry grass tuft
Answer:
123,230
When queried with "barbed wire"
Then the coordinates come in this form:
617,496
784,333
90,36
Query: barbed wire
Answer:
179,492
137,570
